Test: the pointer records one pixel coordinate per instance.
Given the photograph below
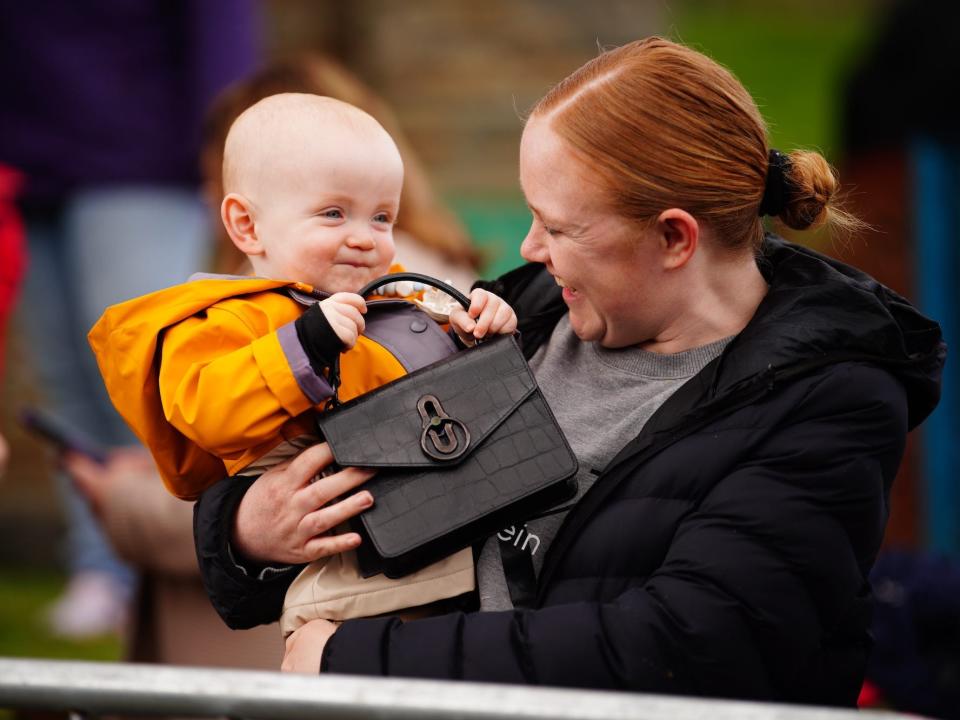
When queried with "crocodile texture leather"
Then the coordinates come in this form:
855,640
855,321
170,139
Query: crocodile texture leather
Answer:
517,462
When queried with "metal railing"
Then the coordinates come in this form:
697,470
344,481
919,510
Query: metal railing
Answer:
99,688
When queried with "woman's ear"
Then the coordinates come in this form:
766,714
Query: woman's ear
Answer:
237,215
679,235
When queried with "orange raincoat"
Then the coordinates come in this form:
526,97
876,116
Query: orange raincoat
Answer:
199,374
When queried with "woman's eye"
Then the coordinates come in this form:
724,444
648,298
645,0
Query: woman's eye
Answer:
550,231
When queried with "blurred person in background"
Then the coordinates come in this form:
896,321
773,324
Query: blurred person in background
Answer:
171,619
429,238
101,112
11,269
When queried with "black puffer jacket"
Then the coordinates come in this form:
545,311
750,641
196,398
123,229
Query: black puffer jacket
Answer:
725,550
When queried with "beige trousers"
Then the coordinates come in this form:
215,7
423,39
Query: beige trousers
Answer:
333,589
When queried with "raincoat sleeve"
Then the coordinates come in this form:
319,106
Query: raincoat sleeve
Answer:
225,383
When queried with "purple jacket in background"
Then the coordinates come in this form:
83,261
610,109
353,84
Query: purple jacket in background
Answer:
113,91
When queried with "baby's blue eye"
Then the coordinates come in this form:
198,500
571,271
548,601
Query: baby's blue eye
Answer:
381,218
333,214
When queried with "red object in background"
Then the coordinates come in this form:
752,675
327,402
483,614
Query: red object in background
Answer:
870,696
12,250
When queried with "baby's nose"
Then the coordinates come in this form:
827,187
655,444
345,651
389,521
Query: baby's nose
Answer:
361,240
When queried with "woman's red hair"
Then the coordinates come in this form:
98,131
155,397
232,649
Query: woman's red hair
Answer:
665,126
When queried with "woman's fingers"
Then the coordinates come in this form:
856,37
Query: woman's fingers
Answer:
326,545
333,486
308,464
326,518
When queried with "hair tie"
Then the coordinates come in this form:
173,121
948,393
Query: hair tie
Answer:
775,189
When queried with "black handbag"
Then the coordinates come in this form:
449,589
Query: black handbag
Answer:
463,447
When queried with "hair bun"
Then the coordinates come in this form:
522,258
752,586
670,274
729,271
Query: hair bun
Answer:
810,185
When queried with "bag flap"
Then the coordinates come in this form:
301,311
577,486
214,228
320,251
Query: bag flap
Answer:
436,416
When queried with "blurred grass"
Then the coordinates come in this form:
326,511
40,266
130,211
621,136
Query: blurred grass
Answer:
25,595
792,56
497,225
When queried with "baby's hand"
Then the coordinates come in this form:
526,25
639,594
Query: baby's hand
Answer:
488,315
344,311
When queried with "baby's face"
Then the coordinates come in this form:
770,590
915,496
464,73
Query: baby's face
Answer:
326,217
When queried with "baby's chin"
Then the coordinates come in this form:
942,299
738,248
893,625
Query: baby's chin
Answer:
347,278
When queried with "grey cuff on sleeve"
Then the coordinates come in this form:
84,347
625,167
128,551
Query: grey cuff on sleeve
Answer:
314,386
264,573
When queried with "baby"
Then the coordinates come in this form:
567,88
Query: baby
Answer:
222,375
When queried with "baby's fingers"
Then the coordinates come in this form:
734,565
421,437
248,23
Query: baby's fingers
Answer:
347,323
504,321
486,319
461,321
478,301
354,315
351,299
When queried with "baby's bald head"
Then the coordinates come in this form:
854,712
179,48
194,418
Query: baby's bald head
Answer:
268,142
312,191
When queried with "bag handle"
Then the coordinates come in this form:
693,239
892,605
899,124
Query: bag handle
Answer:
415,277
368,290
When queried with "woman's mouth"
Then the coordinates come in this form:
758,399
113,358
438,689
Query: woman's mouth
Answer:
569,293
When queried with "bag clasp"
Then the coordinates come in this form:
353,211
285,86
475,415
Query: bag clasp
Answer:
439,439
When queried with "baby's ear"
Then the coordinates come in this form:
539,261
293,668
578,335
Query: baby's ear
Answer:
237,216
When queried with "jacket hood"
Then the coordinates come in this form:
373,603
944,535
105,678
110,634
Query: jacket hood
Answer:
125,341
819,311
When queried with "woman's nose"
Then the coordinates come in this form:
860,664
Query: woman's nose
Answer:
532,249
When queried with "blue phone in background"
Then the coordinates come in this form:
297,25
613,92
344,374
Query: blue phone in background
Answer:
64,437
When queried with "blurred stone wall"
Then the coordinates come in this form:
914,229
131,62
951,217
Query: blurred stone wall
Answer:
460,74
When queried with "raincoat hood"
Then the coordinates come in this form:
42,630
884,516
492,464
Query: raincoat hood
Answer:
820,311
126,340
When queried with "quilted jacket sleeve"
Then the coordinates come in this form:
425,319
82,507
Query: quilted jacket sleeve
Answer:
755,580
244,597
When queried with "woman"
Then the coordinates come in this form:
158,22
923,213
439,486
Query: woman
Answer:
738,405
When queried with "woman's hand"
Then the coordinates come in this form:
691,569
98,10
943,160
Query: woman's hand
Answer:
305,646
285,516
